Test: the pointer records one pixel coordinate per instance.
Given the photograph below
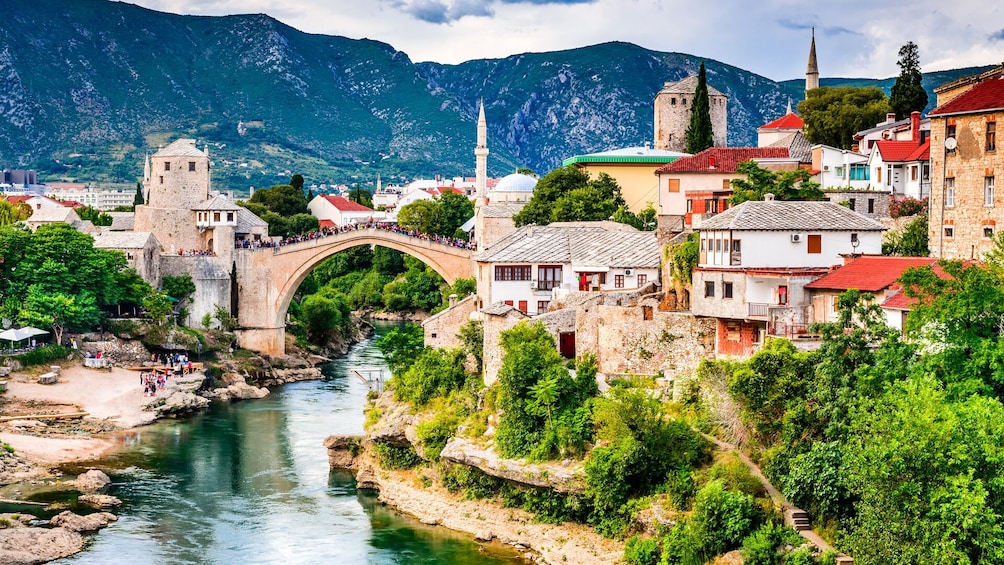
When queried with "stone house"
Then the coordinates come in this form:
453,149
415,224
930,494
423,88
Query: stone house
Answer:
698,187
875,274
340,211
964,207
632,167
755,260
529,267
142,251
672,114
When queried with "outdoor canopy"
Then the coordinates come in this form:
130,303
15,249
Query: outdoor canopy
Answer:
20,334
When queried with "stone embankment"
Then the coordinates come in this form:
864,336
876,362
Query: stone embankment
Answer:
418,492
23,543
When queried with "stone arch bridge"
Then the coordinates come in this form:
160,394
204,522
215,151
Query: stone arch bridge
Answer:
267,278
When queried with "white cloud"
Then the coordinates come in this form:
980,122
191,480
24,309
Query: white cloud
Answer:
854,38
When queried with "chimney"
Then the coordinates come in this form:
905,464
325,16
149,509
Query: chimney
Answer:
856,148
915,127
711,160
768,197
890,117
453,300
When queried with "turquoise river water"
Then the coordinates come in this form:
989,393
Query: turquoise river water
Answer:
249,483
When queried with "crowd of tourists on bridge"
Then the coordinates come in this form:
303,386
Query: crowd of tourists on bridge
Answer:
277,243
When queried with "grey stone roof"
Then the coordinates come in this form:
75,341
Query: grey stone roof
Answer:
501,210
247,221
500,309
779,215
798,146
688,86
218,203
601,244
122,221
54,214
123,239
180,148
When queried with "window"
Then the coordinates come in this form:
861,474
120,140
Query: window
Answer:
854,239
726,246
709,289
191,166
871,205
878,175
950,192
167,165
782,294
683,101
618,281
726,184
690,206
815,243
711,206
839,171
512,272
914,172
851,202
888,175
674,185
642,279
230,216
216,216
949,231
703,245
988,191
737,246
991,136
522,306
718,246
988,232
672,101
950,132
548,277
726,290
859,172
162,179
542,306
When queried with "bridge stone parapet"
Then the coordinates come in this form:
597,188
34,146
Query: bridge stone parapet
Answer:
267,278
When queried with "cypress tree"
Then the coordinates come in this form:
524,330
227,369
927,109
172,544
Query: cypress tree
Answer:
908,95
700,134
138,201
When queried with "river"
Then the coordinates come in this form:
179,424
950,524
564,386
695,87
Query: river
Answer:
249,483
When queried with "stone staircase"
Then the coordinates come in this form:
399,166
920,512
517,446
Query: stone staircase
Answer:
797,519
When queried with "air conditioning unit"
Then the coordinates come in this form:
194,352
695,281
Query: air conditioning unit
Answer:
533,284
796,238
628,272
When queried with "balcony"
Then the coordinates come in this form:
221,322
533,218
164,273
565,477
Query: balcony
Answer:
758,310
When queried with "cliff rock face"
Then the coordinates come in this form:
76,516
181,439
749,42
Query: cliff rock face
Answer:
89,86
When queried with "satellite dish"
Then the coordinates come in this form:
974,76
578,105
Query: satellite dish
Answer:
950,143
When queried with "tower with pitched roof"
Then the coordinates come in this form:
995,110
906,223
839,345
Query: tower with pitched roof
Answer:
812,69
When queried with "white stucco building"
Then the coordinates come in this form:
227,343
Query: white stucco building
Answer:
338,210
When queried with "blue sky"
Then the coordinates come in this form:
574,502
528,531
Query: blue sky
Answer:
854,38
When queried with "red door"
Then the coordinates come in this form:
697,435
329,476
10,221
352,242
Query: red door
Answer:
566,345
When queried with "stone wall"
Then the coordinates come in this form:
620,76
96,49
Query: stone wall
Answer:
212,284
441,329
493,328
174,228
879,198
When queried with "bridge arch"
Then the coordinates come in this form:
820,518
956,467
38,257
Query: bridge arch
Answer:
269,277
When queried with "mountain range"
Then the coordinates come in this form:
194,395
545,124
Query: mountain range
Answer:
88,87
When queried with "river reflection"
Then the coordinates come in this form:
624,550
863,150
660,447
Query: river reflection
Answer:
249,483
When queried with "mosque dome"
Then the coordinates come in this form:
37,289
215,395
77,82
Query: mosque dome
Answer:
515,183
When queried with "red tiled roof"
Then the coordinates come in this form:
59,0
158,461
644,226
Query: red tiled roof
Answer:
897,150
345,205
724,159
869,273
18,198
922,153
787,121
325,224
987,95
899,300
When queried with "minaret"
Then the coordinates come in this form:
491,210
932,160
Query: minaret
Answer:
481,162
812,69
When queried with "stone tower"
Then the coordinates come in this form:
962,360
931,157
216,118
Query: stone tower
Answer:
176,181
672,114
812,69
481,177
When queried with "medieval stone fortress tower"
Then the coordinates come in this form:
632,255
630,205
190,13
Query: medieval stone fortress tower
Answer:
672,114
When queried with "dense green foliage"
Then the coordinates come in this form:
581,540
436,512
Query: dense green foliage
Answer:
684,258
432,373
95,216
908,94
544,409
179,288
284,207
326,314
911,241
784,185
645,220
401,347
832,115
568,194
441,216
700,133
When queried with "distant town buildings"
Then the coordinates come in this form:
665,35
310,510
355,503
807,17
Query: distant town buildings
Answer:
632,167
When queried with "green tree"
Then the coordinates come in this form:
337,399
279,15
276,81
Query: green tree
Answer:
569,194
700,132
425,216
138,200
784,185
685,256
325,314
908,94
646,220
59,311
157,306
11,213
400,347
296,181
96,217
455,209
832,115
179,288
361,196
911,241
283,199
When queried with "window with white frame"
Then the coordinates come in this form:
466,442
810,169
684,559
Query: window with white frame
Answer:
988,191
950,192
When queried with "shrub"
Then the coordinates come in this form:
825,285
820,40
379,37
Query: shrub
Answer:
761,547
721,519
436,432
907,207
801,556
396,458
436,372
44,355
641,551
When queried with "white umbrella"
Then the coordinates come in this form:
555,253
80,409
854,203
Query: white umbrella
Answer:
15,334
33,331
